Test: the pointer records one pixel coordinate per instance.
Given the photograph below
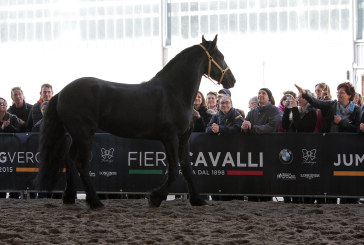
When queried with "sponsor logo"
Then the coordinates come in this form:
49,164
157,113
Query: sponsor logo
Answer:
286,156
349,160
147,159
92,174
107,173
309,156
107,155
229,159
202,159
310,176
19,157
286,176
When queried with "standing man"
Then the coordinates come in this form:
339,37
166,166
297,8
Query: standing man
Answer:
253,102
265,118
226,121
35,114
20,108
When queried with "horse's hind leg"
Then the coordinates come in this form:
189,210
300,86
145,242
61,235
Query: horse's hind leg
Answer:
82,164
161,193
70,192
184,151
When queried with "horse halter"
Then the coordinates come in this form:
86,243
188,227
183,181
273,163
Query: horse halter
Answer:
217,65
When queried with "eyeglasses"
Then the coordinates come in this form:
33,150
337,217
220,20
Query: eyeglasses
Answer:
225,103
340,92
2,103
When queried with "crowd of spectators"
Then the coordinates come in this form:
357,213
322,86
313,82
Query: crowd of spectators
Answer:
306,112
23,117
303,112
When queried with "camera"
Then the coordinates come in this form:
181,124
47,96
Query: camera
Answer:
289,98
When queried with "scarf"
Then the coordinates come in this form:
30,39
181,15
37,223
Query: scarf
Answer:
344,112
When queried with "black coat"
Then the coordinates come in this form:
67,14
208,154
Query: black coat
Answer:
305,124
22,113
35,115
328,110
13,127
199,124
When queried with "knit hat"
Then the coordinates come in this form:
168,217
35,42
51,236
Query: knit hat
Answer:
268,92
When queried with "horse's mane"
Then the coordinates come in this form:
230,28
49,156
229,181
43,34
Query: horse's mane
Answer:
176,59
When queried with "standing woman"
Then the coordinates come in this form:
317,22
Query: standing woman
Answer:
322,91
287,96
299,117
303,117
200,116
8,122
341,115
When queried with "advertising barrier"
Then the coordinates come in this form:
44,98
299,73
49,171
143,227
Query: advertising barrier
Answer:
275,164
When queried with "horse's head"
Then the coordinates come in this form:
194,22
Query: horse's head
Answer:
217,68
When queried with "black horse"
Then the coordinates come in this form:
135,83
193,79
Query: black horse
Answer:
159,109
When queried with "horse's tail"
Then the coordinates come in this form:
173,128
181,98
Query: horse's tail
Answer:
53,147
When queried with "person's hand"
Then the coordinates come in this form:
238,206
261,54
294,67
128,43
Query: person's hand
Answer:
362,127
337,119
294,103
21,122
302,91
196,113
215,128
5,124
246,125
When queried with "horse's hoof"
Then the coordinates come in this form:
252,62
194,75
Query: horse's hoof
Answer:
155,199
198,201
154,204
68,199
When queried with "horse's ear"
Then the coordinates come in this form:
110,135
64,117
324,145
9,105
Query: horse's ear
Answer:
214,42
203,39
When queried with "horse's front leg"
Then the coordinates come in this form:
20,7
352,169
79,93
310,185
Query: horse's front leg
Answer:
184,156
161,193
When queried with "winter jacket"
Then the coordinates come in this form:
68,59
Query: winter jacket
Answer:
22,113
35,115
229,123
13,127
264,119
305,124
